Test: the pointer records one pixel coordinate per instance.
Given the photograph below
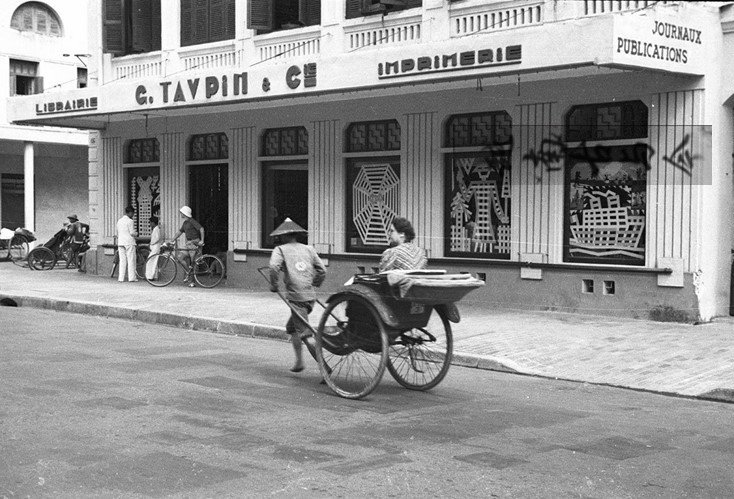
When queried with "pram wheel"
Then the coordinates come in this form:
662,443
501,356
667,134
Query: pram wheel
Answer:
351,346
41,258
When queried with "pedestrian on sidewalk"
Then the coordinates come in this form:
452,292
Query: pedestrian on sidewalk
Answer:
194,238
156,241
302,271
403,254
126,243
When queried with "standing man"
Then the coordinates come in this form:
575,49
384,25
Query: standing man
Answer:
194,237
126,243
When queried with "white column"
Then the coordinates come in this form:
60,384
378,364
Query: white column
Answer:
29,188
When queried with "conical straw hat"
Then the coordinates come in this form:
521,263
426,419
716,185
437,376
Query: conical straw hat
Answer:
287,227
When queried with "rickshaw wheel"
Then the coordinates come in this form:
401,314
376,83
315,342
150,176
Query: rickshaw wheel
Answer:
165,269
419,358
351,346
17,249
41,258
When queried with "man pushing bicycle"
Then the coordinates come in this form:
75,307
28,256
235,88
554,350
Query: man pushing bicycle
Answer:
194,238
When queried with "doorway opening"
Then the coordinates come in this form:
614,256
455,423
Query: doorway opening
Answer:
209,202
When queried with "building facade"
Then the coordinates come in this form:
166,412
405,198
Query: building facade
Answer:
575,155
43,170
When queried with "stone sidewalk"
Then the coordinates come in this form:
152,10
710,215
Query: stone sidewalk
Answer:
683,359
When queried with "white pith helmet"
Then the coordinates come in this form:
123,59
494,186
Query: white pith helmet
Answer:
186,211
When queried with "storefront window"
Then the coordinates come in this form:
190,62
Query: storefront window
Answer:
606,184
478,186
373,184
143,194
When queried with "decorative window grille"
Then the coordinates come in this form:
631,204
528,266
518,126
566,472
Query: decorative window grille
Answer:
208,146
610,121
38,18
143,151
292,141
373,136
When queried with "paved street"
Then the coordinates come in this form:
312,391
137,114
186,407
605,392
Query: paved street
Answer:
93,406
686,359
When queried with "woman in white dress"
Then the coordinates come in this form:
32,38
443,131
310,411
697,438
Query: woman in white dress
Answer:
156,240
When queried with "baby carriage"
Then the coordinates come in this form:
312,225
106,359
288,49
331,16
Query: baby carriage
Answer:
60,247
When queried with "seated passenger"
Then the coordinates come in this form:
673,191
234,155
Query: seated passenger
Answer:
403,254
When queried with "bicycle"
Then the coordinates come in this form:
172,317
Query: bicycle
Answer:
142,251
207,270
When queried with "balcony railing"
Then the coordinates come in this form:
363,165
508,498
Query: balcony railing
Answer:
137,66
289,43
212,57
475,20
595,7
394,32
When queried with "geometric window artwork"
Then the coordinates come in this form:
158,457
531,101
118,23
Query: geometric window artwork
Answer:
479,129
144,196
374,204
479,203
606,206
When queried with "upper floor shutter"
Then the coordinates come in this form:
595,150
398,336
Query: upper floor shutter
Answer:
260,15
409,4
142,26
113,34
221,19
311,12
194,22
354,9
155,26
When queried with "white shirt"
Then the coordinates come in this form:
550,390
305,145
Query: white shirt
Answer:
125,231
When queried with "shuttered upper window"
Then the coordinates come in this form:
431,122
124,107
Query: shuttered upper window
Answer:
204,21
274,15
131,26
359,8
36,17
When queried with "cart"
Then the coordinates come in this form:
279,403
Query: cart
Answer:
398,320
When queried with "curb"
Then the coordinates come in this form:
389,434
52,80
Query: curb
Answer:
243,329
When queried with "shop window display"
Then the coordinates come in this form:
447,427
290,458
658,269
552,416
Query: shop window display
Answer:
373,185
478,186
606,184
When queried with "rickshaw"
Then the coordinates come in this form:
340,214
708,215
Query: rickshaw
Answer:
14,244
57,248
397,320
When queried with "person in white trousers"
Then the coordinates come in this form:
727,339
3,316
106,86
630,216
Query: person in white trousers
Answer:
156,240
126,243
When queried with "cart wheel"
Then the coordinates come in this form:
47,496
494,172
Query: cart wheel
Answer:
141,258
420,357
208,271
165,269
41,258
18,249
351,346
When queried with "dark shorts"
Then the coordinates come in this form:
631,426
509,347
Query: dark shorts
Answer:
296,324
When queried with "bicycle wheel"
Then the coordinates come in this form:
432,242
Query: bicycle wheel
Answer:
41,258
208,271
351,346
141,259
18,249
165,270
419,358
